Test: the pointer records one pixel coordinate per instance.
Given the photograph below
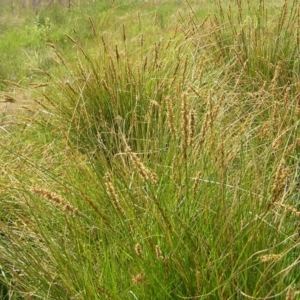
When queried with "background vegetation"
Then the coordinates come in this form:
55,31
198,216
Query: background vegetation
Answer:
157,155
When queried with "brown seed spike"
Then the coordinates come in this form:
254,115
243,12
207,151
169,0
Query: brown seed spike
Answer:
57,200
139,278
290,295
144,172
158,253
124,33
93,26
117,53
112,193
104,44
70,38
138,250
170,116
280,180
185,126
192,122
9,99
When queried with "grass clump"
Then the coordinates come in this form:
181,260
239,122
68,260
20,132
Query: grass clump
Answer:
161,168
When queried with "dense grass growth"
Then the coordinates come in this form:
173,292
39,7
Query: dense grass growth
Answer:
162,160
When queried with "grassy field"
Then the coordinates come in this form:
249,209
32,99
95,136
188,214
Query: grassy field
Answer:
150,150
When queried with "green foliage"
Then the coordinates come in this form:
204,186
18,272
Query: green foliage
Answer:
162,160
40,30
20,45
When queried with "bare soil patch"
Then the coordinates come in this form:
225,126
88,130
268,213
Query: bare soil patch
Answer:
14,107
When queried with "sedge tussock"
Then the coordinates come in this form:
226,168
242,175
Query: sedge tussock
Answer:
224,108
143,171
54,198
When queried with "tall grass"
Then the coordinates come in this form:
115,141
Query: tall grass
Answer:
161,168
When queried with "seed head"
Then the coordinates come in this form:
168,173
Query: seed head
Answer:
270,257
110,189
59,201
158,253
144,172
138,250
139,278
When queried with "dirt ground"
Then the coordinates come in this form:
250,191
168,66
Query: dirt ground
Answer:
14,107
